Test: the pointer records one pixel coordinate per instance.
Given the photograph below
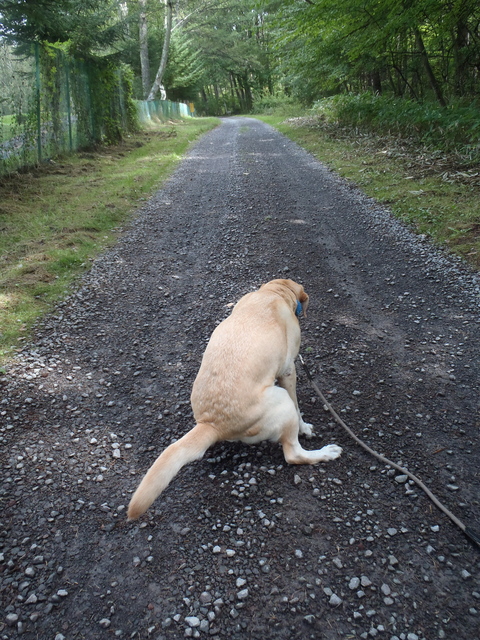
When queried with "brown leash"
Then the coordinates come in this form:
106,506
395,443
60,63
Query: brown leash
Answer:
473,535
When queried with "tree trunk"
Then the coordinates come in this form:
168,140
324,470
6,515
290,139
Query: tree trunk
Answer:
376,82
428,69
237,91
459,48
157,85
246,92
143,38
232,88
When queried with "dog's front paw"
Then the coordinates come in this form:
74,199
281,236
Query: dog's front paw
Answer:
306,429
331,451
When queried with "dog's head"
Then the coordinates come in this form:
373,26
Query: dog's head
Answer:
291,291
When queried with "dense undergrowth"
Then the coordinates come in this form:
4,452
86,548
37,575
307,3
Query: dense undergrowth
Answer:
455,128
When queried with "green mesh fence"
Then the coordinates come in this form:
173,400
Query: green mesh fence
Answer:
163,110
52,103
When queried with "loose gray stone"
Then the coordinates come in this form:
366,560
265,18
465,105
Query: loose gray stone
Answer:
11,619
204,626
192,621
335,600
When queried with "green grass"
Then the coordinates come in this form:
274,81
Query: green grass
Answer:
430,191
54,220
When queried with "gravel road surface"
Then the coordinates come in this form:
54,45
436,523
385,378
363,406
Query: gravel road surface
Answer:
241,545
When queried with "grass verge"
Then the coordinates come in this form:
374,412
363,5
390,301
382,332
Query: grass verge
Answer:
434,193
58,217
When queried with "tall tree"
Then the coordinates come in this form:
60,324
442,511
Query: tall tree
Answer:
434,84
143,43
157,84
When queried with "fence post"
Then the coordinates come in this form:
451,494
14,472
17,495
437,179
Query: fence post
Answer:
39,116
69,110
121,97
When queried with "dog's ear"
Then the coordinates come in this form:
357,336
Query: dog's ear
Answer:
300,294
304,300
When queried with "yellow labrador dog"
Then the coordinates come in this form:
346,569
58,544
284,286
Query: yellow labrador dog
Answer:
234,396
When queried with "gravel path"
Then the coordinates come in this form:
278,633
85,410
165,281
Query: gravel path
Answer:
242,545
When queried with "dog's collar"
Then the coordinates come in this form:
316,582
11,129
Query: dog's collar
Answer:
299,309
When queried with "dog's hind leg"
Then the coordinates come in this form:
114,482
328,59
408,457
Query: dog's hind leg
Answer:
289,383
295,454
281,424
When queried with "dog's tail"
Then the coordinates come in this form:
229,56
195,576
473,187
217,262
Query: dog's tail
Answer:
189,448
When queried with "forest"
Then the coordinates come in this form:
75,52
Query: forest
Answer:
238,55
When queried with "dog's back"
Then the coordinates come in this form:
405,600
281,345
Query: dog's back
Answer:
245,355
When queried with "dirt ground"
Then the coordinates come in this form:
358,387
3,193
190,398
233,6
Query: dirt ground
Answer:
242,545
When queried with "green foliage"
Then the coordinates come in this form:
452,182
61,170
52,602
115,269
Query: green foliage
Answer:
185,69
229,54
416,49
87,24
185,65
76,92
107,108
211,105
